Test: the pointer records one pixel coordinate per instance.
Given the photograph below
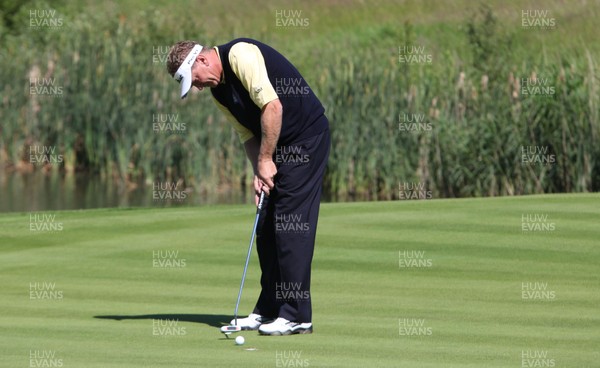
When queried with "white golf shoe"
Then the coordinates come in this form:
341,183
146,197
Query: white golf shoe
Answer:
282,326
252,322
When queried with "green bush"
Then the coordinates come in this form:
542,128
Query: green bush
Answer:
113,87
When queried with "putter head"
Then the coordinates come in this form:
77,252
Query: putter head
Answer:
227,330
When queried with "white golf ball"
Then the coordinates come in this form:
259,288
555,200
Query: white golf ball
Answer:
239,340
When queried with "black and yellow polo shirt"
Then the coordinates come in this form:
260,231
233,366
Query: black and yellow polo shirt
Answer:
255,74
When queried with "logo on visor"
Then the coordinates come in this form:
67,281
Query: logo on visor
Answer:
178,78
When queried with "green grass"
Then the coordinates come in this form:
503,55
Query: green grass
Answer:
340,20
470,297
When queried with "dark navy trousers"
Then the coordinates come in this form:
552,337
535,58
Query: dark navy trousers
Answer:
287,229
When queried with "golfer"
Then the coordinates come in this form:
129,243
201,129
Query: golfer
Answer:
285,134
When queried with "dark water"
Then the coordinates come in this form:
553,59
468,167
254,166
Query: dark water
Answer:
53,192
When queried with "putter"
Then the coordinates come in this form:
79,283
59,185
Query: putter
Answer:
227,330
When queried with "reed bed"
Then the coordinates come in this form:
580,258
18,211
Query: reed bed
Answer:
479,125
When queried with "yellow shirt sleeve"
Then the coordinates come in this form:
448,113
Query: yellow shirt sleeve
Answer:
243,133
248,64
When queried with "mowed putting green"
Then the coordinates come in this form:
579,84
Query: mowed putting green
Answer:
434,283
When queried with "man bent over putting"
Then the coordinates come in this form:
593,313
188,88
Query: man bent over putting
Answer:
285,134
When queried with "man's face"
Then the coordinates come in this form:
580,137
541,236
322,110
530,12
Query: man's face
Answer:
203,73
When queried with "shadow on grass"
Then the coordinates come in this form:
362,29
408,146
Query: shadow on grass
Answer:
214,320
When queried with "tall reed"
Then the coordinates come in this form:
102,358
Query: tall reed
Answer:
476,123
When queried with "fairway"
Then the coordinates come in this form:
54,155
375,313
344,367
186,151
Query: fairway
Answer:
435,283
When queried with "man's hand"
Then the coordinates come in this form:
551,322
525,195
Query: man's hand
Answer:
265,173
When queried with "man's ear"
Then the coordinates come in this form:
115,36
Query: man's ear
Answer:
202,59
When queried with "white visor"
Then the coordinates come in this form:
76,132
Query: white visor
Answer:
183,75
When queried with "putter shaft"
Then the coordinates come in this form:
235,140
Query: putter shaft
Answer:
258,208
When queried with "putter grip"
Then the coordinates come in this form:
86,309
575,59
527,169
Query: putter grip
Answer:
260,202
